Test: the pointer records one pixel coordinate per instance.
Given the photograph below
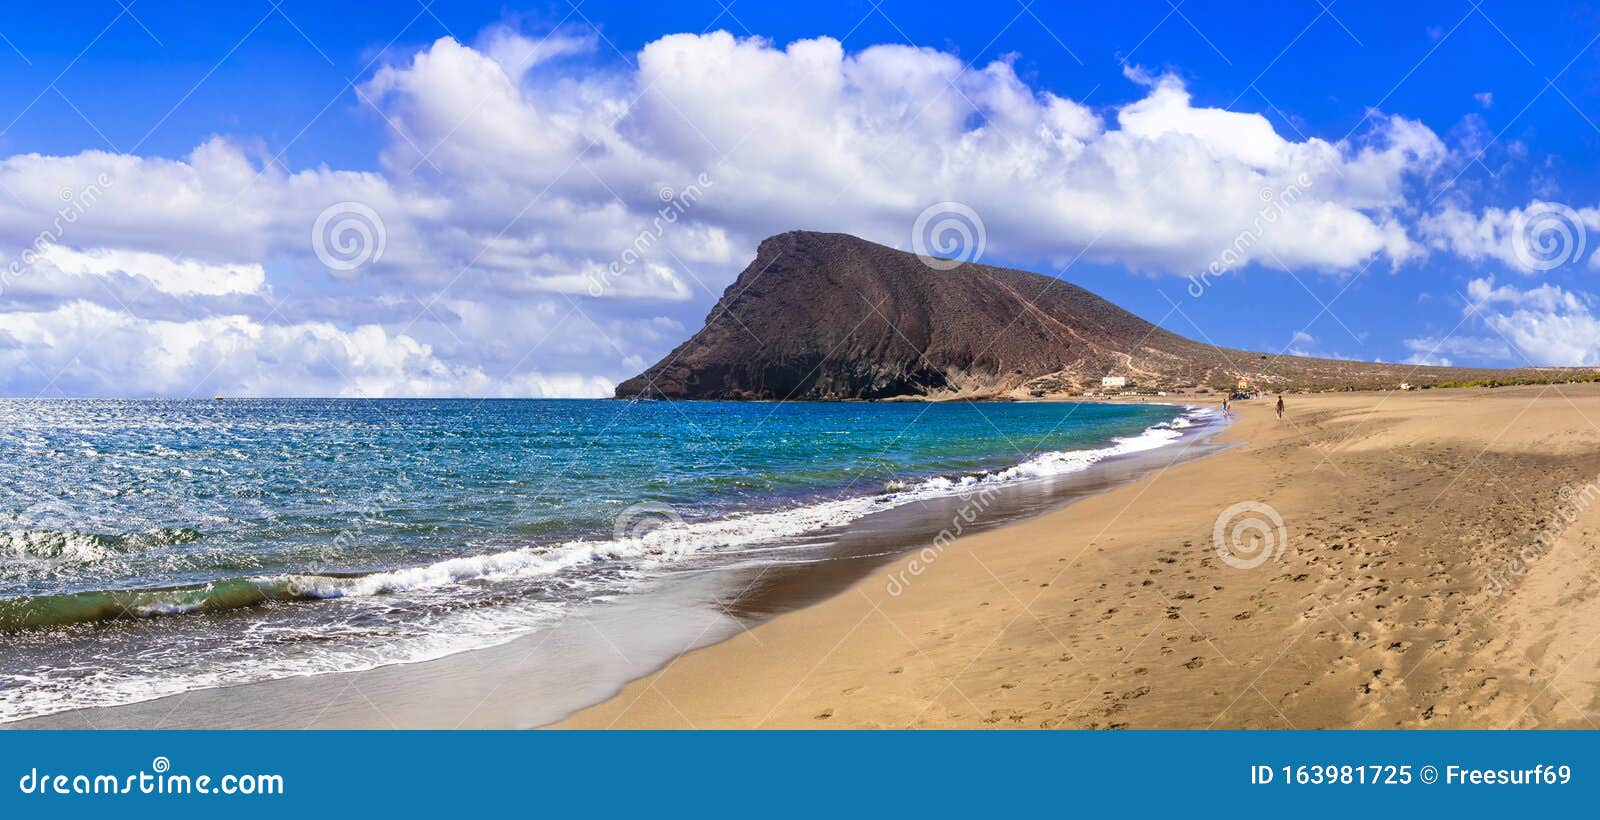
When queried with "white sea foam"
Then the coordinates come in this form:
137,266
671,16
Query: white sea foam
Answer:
25,696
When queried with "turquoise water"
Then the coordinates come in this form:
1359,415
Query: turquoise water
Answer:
150,547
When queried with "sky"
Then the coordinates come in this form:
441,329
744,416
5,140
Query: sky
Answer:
397,198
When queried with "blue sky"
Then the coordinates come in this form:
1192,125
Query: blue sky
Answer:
510,154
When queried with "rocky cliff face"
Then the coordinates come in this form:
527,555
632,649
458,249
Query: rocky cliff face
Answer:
831,316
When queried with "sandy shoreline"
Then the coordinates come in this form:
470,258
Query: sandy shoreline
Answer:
1405,513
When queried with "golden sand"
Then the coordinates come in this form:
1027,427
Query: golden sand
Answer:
1437,571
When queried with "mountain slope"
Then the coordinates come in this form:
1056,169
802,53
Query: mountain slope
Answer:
831,316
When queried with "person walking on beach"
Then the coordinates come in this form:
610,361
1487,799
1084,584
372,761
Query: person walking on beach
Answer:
1224,405
1280,407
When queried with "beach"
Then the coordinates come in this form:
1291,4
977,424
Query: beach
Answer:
1433,568
1431,579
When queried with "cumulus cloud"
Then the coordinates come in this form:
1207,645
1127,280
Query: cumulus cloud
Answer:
1540,236
1543,326
1549,325
69,350
811,136
546,215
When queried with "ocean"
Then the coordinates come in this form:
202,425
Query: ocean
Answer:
149,548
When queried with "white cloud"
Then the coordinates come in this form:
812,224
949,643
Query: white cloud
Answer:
1248,138
1540,236
1306,345
1470,351
175,276
217,205
1549,325
1540,326
809,136
71,350
517,53
517,175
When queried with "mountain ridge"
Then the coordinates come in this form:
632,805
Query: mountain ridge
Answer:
829,316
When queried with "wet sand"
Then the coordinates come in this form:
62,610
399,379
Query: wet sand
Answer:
1437,571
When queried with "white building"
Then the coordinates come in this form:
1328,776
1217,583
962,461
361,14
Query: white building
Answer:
1114,382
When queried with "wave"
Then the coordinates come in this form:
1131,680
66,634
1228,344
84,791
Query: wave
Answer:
674,539
71,545
81,607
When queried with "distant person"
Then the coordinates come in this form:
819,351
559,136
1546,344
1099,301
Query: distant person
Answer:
1224,405
1280,407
